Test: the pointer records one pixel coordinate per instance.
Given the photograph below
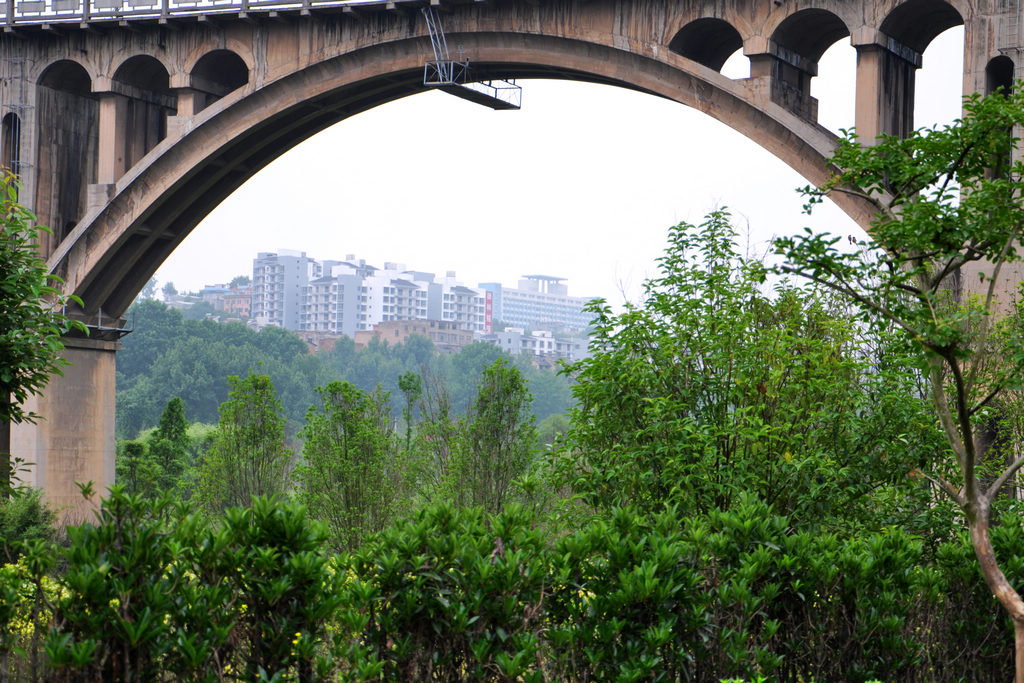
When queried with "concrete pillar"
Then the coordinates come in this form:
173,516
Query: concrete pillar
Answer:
885,87
73,441
788,76
189,102
113,161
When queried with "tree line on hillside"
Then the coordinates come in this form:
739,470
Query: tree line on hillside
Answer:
356,470
167,356
760,480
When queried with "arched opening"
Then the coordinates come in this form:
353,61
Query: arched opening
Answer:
999,78
143,82
832,87
10,143
215,75
68,124
938,96
999,74
708,41
801,39
910,28
916,23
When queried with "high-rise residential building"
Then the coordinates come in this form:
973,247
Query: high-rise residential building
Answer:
539,302
331,303
278,282
294,291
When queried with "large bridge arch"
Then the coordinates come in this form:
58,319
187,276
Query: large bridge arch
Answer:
116,248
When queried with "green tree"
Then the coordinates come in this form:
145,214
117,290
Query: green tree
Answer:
465,369
136,469
713,388
949,219
169,444
31,318
499,439
551,429
411,386
249,457
352,475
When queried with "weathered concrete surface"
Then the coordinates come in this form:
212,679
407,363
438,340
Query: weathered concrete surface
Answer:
74,439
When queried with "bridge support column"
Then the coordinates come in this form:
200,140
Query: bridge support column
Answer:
112,162
789,79
73,440
885,86
188,105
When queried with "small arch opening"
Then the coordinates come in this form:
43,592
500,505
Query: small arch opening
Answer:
67,118
10,143
215,75
916,23
709,41
809,33
999,74
144,82
802,40
67,76
143,71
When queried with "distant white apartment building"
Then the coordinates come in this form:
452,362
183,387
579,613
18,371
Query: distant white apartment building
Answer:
541,343
331,303
294,291
539,302
278,282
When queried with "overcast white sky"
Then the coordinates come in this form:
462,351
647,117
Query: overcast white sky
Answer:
582,183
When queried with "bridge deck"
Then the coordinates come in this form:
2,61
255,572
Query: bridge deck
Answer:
45,14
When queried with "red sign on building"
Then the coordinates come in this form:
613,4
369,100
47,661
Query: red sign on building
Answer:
488,311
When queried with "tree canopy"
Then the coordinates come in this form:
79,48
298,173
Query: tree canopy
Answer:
947,230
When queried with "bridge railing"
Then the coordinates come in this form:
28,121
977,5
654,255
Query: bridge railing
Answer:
39,12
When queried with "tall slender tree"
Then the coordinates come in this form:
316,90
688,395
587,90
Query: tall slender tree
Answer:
353,475
249,457
499,439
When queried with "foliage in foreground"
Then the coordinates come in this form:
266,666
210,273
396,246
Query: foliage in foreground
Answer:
151,592
715,387
946,233
32,318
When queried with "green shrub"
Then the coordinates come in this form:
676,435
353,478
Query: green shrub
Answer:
450,595
24,517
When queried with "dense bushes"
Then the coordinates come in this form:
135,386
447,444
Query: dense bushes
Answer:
150,592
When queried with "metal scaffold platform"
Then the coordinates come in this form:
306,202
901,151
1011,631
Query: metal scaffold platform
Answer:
454,77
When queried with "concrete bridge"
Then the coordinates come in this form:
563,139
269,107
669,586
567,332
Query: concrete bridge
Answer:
130,120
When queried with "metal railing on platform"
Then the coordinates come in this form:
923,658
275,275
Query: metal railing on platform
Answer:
40,12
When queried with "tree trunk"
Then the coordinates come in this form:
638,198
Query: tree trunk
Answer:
1018,647
997,583
5,450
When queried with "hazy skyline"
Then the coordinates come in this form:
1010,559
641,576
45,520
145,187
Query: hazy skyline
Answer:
582,183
